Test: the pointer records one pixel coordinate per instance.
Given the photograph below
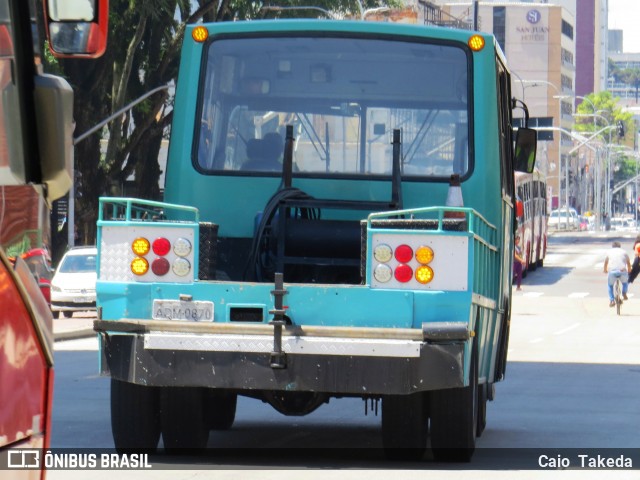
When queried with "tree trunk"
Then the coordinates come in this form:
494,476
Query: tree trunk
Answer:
147,168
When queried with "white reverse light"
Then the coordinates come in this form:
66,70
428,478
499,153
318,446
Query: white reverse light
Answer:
382,273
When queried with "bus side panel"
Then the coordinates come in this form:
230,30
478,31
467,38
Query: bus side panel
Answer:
25,373
484,192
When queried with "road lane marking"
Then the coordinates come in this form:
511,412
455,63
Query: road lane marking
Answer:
536,340
533,294
578,294
567,329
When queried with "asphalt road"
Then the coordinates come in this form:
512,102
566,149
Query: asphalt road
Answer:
573,384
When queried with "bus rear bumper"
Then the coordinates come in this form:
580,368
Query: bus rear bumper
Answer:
365,363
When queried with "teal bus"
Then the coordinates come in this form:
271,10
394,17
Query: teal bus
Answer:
305,249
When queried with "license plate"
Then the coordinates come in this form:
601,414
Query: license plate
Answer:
194,311
81,300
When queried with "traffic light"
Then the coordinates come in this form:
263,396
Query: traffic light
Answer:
620,128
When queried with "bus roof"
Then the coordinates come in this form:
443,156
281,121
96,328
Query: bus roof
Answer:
344,26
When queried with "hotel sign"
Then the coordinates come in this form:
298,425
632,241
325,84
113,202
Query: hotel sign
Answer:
533,31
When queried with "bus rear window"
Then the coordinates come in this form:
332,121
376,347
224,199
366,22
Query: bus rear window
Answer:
343,97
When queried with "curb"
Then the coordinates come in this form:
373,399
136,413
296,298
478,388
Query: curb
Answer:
74,334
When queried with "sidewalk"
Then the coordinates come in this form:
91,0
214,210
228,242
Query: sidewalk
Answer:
78,326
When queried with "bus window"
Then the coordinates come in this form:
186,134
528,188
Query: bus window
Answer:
344,127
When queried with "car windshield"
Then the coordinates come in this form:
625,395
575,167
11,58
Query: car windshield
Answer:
78,264
343,99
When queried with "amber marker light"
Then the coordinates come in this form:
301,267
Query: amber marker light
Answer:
139,266
200,34
424,255
424,274
141,246
476,42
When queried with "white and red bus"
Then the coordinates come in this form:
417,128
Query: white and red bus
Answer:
531,209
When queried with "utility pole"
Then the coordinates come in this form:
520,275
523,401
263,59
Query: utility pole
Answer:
476,6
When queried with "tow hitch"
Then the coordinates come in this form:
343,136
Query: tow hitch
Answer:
278,357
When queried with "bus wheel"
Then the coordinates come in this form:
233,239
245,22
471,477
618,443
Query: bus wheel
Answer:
134,416
482,408
183,419
405,426
454,420
221,409
532,265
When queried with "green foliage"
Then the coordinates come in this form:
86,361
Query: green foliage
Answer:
51,64
296,8
614,71
142,54
631,76
607,112
624,168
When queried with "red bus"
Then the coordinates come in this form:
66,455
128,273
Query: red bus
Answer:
532,213
36,127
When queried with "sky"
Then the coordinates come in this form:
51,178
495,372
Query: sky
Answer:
625,15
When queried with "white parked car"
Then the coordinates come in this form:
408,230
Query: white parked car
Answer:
623,224
564,219
618,223
73,287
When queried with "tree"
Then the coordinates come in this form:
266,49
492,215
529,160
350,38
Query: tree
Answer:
608,112
600,110
614,71
631,76
142,54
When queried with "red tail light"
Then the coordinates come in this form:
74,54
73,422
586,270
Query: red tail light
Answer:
403,273
404,253
160,266
161,246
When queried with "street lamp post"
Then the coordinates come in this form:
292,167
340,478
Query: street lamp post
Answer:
582,140
608,128
627,153
566,159
585,182
560,97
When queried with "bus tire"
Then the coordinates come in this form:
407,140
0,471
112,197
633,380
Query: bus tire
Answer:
221,409
454,419
482,408
182,416
135,422
531,266
405,426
